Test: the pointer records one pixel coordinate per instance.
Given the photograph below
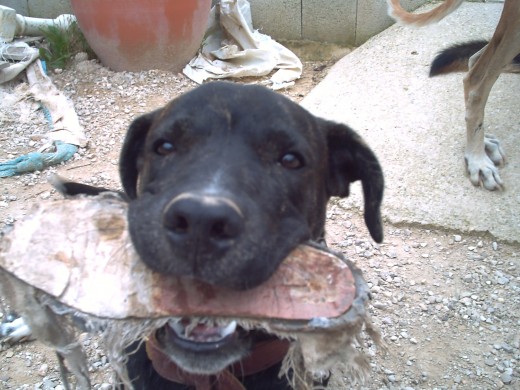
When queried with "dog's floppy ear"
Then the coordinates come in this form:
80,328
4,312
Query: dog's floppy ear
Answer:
131,151
351,159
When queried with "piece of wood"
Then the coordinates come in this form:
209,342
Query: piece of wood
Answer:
79,251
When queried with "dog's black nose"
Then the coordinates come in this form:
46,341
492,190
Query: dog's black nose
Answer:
200,222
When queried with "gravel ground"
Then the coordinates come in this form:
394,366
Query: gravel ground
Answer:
446,302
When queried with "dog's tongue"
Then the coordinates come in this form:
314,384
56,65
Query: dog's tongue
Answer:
89,263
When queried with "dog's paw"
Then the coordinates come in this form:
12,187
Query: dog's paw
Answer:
494,150
482,171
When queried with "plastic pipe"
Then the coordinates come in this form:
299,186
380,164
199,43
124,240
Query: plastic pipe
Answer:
13,24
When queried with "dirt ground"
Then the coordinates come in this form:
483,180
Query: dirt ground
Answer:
446,302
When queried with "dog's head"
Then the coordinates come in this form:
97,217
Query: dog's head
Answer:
227,179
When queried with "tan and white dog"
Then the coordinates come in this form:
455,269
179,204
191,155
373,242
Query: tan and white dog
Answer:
485,62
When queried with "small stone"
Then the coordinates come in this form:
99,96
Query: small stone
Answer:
9,354
380,306
45,195
80,57
48,384
457,238
43,370
506,378
489,362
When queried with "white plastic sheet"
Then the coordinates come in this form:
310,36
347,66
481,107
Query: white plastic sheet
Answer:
30,54
232,48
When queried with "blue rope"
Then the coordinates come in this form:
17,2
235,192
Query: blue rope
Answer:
37,161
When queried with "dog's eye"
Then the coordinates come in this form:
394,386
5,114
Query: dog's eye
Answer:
291,161
164,147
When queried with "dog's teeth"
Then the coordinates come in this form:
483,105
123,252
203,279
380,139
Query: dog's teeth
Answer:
229,329
202,330
177,327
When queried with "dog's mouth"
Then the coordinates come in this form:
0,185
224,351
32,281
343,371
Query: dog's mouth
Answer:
200,335
202,346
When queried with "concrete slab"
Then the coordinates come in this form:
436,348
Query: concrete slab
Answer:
416,124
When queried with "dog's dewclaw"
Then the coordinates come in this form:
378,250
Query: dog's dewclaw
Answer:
79,251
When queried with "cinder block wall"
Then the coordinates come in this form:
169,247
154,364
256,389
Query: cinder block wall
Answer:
39,8
345,22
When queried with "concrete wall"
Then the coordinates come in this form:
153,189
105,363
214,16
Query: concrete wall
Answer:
349,22
345,22
39,8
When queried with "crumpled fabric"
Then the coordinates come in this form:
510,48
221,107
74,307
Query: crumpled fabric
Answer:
232,48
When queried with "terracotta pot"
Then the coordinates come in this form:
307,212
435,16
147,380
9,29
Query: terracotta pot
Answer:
137,35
